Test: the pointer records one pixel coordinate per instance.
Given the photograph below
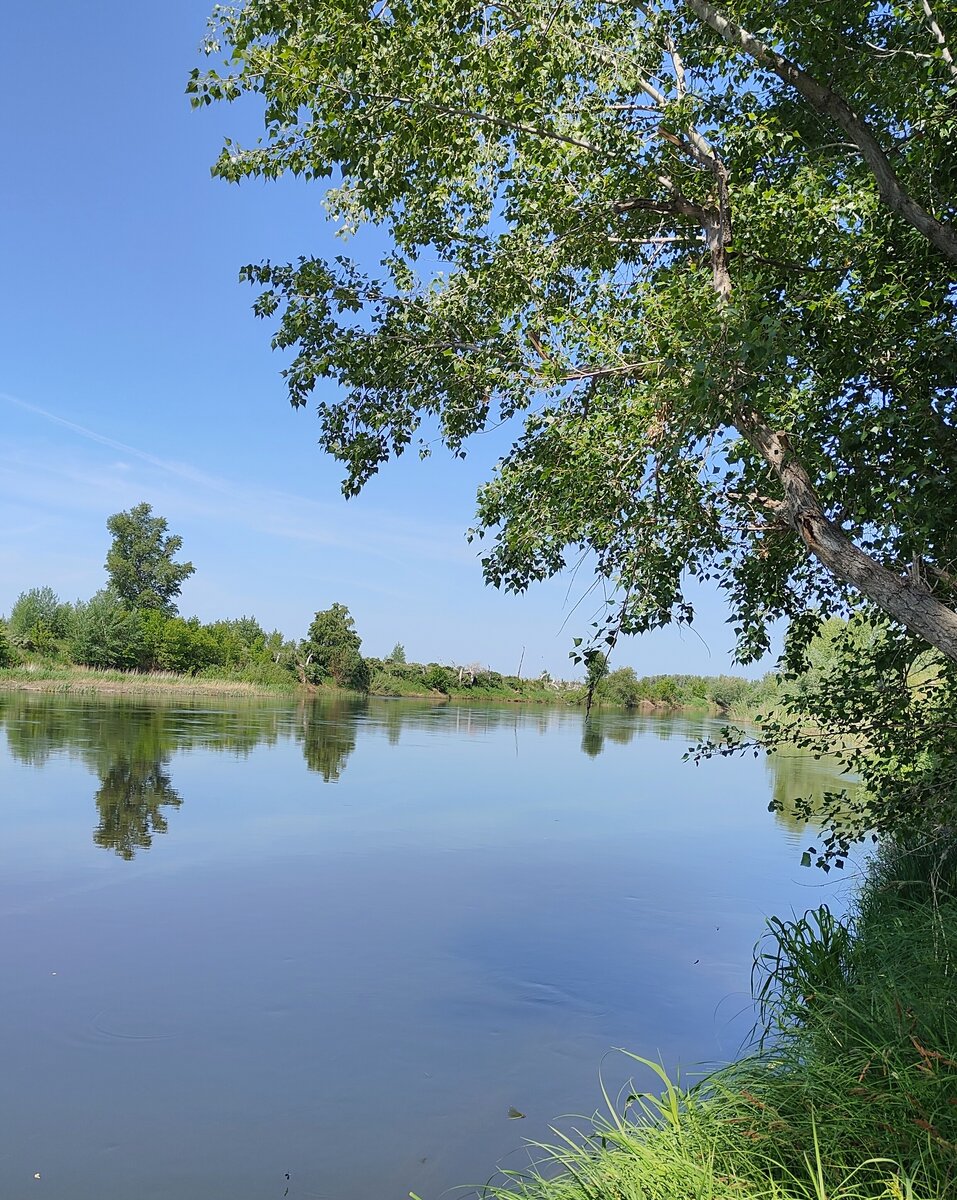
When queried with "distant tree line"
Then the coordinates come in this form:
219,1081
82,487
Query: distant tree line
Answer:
625,688
132,624
105,632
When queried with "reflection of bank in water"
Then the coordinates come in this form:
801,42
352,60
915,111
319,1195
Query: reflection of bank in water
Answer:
802,784
621,726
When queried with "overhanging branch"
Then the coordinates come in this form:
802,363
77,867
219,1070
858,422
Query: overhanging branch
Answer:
831,104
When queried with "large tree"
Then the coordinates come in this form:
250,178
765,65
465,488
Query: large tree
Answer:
140,562
331,650
706,251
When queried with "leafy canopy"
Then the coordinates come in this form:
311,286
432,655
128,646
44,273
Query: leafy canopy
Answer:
331,649
612,220
701,258
140,563
38,618
105,632
7,653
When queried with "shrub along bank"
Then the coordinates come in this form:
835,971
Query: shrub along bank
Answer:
852,1091
726,693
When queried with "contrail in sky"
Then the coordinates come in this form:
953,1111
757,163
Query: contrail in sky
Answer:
180,469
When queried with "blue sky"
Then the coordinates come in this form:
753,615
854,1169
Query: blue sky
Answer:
131,368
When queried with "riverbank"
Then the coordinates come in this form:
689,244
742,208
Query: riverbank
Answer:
853,1095
64,678
72,679
89,681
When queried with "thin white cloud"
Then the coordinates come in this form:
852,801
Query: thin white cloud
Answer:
272,512
181,469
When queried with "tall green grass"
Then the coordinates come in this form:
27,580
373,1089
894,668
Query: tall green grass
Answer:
851,1093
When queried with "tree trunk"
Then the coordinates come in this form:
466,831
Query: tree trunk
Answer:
829,103
800,509
912,605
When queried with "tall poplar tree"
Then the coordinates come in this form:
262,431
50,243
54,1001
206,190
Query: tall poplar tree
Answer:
140,563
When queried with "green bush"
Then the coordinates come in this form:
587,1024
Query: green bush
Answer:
439,678
38,619
186,647
8,656
105,633
727,690
620,687
264,673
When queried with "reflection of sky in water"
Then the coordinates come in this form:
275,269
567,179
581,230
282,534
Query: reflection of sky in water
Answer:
354,980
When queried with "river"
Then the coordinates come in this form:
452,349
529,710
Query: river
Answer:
347,949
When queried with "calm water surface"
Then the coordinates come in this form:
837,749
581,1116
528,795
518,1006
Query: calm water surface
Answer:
341,940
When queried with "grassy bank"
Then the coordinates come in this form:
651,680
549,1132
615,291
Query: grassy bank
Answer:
853,1095
71,679
689,694
40,676
475,682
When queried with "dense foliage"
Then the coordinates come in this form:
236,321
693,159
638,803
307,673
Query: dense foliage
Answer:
7,654
104,632
724,304
37,619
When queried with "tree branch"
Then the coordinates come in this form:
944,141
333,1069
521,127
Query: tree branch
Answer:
472,114
678,207
647,370
829,103
938,33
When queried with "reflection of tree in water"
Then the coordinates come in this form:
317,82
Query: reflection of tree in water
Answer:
593,739
621,732
327,732
801,777
666,725
131,795
128,743
597,726
35,726
393,723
